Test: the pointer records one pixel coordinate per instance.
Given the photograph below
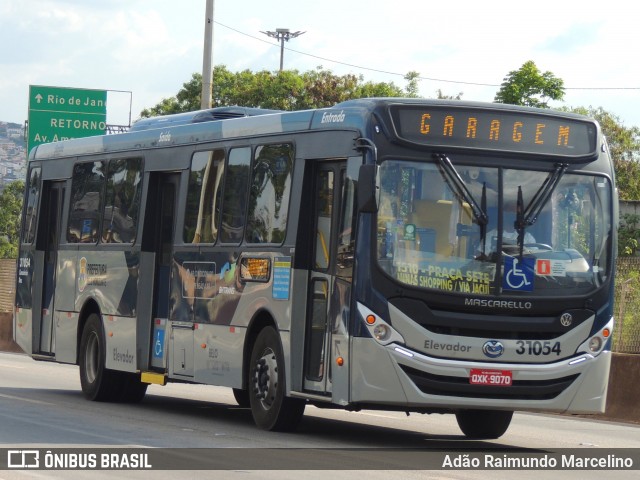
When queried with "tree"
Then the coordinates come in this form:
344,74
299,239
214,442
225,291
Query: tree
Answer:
624,146
529,87
442,96
628,234
411,89
281,90
10,210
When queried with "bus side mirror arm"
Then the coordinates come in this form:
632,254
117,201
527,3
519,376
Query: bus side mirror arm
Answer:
368,188
368,178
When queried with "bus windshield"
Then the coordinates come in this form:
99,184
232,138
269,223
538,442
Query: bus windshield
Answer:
485,239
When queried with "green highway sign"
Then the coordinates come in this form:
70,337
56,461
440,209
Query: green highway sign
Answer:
59,113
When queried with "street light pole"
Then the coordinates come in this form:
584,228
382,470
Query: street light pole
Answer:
283,35
207,71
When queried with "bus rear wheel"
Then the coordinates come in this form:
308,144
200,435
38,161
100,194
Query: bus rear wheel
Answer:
483,424
132,389
270,408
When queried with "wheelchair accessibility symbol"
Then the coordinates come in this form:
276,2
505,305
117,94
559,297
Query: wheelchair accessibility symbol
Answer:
518,274
158,346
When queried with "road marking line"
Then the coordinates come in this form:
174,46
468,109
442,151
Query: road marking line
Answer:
5,365
37,402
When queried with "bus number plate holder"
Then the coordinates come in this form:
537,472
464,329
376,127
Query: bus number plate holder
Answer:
499,378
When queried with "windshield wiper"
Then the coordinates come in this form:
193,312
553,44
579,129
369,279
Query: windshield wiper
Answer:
525,217
454,180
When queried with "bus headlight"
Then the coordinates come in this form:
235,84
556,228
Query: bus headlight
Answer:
598,341
380,330
595,344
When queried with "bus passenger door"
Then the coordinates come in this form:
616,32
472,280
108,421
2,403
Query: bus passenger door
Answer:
328,294
48,241
159,234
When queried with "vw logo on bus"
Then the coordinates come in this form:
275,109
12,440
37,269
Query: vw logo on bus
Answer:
493,349
566,319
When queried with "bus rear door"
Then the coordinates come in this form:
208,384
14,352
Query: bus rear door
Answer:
48,241
158,239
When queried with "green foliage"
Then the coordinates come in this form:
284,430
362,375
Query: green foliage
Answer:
10,210
442,96
628,234
412,88
624,146
281,90
529,87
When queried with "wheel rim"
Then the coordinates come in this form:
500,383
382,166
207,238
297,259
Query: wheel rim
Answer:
91,358
265,378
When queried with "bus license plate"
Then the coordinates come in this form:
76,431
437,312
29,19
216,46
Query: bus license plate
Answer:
502,378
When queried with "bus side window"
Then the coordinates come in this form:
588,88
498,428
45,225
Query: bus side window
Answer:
31,207
122,200
87,187
234,201
269,194
204,195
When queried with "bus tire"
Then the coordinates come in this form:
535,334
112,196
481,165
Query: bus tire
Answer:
484,424
270,408
133,390
98,383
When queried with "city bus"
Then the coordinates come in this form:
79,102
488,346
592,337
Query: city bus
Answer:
407,255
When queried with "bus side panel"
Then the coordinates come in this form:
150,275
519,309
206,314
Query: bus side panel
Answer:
22,329
591,396
225,293
218,355
120,338
374,375
23,317
66,335
299,289
65,317
110,278
339,315
33,344
145,316
65,294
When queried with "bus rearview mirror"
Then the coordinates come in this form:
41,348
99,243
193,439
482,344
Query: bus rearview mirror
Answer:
368,188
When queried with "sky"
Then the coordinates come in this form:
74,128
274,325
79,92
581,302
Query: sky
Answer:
142,51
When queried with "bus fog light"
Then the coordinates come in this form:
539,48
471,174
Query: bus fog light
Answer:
595,344
381,332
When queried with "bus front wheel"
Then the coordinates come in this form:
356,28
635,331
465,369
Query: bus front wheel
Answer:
483,424
270,408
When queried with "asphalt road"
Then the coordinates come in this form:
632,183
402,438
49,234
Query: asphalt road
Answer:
41,406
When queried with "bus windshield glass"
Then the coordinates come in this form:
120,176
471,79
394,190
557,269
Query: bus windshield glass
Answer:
433,235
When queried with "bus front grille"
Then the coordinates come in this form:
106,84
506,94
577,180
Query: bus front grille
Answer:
460,387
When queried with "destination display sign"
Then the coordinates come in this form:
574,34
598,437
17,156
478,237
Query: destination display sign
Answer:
508,131
59,113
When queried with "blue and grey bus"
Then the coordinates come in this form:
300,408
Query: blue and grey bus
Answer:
396,254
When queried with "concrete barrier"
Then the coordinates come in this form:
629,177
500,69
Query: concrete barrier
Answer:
623,396
623,399
6,333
